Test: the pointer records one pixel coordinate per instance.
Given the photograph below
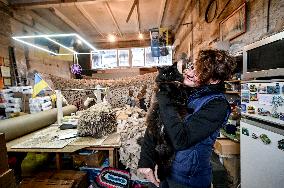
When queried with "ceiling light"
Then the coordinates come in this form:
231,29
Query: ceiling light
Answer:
78,38
61,45
29,44
140,36
111,38
79,42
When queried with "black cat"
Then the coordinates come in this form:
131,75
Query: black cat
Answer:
170,80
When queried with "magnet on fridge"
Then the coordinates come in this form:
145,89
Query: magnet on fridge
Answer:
262,89
263,112
245,131
254,136
251,110
243,108
253,97
244,87
245,96
277,88
281,144
275,114
273,89
281,116
264,138
252,88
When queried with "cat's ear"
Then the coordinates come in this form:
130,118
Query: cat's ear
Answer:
159,68
175,64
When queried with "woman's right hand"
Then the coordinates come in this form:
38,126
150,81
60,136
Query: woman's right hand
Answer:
149,174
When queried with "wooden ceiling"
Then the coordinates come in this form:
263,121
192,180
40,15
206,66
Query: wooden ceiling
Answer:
96,19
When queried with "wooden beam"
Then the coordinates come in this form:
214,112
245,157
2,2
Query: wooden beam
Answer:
32,4
127,37
27,26
112,17
123,44
90,19
66,20
138,18
182,16
44,22
131,10
162,11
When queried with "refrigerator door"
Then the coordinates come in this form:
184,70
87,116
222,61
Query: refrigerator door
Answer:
262,162
263,101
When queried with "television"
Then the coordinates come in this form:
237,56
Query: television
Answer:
264,58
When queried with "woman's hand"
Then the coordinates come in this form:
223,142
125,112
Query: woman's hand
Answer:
149,174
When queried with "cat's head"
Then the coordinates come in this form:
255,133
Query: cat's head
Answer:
169,74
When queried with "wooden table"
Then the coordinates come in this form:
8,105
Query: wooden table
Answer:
111,144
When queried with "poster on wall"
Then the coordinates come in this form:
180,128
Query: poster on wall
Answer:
7,81
163,37
166,60
5,71
137,57
149,59
154,35
123,57
96,59
109,58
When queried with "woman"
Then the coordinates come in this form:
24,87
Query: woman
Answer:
193,137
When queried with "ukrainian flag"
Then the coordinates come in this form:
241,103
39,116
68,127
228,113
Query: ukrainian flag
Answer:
40,84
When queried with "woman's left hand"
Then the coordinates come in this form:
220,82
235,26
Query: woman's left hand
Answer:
149,174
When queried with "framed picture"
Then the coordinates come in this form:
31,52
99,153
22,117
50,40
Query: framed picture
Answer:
166,60
5,71
137,57
96,59
7,81
149,59
123,57
109,58
234,25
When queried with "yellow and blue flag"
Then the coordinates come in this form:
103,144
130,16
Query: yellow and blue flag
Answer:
39,85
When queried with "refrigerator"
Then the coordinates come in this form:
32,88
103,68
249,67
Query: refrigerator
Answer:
262,134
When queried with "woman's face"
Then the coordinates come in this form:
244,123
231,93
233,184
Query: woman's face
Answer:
190,77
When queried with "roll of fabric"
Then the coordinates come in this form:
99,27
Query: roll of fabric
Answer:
22,125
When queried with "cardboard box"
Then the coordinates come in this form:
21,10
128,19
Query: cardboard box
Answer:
7,179
3,154
226,147
232,165
51,179
91,160
80,178
46,183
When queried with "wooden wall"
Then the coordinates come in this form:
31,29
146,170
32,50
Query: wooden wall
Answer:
29,60
206,35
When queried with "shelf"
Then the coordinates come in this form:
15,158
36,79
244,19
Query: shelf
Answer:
265,118
233,92
231,81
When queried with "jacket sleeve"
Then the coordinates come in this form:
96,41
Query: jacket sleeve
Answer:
202,123
148,153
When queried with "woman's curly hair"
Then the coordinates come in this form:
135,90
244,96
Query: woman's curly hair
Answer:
213,64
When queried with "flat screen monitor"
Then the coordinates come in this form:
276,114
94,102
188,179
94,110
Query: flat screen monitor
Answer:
264,58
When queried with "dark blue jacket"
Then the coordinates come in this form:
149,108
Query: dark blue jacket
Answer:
204,119
192,166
